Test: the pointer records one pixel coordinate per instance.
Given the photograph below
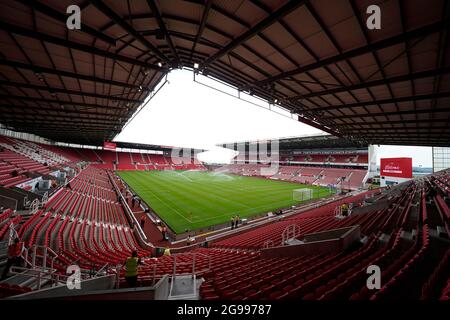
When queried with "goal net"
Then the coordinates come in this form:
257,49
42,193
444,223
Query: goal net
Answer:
302,194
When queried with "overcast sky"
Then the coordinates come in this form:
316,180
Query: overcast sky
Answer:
185,113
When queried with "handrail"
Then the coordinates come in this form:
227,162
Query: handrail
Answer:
193,262
268,243
12,233
101,269
36,272
72,261
129,212
288,231
45,250
34,206
207,257
44,199
25,258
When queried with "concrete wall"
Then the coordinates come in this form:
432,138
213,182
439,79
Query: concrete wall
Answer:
87,286
324,235
379,205
102,289
161,289
326,242
313,248
350,237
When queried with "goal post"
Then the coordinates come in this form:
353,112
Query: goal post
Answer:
302,194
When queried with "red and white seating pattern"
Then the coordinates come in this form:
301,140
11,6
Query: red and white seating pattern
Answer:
85,224
306,175
33,151
338,158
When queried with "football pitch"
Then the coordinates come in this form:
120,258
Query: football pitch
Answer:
190,200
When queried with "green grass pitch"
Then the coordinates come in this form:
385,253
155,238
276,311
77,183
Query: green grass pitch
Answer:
190,200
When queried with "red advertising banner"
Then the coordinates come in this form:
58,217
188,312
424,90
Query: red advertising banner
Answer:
109,145
396,167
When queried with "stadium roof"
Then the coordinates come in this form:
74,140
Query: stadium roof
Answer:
305,142
154,147
315,58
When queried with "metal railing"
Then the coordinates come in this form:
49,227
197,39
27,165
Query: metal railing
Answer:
50,275
44,199
130,213
268,244
193,263
34,206
46,253
290,232
46,270
105,269
12,234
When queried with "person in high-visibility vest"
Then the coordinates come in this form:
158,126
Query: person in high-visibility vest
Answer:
344,209
131,269
14,256
237,220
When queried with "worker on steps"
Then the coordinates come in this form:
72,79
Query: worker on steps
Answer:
131,269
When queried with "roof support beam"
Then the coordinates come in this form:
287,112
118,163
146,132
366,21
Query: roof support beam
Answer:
419,32
406,130
393,113
40,69
77,46
383,101
61,102
265,23
162,27
66,114
71,92
367,123
406,77
318,126
62,17
73,135
428,141
61,124
201,26
107,11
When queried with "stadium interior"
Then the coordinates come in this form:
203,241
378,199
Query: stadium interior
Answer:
297,218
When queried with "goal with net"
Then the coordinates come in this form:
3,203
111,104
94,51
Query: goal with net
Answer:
302,194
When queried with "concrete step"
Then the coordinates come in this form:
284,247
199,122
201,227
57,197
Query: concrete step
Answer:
185,287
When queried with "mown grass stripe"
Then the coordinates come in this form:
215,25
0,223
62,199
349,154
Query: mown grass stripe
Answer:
189,200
